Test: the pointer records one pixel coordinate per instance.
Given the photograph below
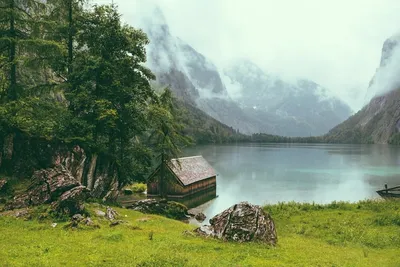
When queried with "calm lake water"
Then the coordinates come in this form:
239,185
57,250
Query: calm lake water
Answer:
271,173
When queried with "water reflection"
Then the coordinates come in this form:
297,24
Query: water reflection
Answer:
198,198
270,173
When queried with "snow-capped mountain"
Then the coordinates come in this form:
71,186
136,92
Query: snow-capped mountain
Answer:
302,108
267,103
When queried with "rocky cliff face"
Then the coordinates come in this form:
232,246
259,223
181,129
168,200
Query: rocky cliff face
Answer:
302,108
379,120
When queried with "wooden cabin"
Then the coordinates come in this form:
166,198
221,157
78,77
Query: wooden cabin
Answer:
183,177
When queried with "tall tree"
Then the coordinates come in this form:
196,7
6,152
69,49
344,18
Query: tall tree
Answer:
166,137
110,88
22,41
26,56
68,16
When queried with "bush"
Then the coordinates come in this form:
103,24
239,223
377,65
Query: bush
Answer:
139,188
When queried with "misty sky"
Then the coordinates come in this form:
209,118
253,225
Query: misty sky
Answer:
335,43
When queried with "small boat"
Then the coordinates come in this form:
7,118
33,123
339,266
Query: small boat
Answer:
393,192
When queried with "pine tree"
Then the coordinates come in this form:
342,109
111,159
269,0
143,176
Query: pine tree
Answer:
23,43
166,136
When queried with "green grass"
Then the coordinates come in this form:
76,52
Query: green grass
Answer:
339,234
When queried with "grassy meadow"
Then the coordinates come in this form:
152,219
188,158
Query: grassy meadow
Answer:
339,234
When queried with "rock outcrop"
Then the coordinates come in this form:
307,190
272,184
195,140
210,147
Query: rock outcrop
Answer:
242,222
79,221
200,217
166,208
54,186
379,121
72,201
91,170
111,214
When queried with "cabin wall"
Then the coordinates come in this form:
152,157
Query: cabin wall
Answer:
172,185
199,186
174,188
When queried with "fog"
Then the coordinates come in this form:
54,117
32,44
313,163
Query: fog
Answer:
334,43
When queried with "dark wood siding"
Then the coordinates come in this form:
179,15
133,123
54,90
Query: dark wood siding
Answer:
175,189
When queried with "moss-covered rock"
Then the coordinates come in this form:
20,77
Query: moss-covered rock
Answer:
170,209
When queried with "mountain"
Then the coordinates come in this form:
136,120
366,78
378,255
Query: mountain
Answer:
190,75
302,108
268,104
203,128
379,121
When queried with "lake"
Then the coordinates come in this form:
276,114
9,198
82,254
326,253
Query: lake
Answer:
320,173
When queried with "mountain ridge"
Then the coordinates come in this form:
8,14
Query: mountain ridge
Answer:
195,79
379,120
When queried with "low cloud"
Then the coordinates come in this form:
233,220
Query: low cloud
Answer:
334,43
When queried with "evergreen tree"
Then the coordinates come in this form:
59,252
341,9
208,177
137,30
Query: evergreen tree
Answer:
67,17
166,136
23,43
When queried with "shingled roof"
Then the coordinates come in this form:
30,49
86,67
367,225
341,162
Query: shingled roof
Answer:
191,169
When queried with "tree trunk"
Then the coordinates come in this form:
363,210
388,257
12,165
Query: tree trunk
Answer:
8,152
78,172
12,94
70,37
92,168
162,176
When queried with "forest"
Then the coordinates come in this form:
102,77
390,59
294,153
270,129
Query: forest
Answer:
73,79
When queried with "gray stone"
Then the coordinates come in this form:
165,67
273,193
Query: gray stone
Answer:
46,186
22,213
72,201
100,213
111,214
77,217
88,221
163,207
200,217
242,222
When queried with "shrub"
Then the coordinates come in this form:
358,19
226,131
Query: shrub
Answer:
139,188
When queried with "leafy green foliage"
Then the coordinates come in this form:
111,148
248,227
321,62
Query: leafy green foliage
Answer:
26,53
109,91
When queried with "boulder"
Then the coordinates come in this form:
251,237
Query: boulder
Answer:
200,217
166,208
100,213
88,221
78,221
18,202
77,218
71,201
111,214
242,222
46,186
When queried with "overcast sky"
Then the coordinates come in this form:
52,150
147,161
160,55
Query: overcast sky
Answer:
335,43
